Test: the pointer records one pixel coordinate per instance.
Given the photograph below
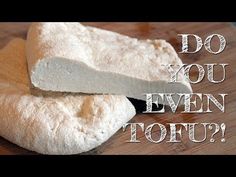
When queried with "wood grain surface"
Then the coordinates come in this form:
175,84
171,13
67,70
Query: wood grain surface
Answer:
118,144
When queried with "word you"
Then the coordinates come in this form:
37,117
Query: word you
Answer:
161,134
175,70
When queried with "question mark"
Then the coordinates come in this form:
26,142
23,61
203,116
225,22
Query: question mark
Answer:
217,129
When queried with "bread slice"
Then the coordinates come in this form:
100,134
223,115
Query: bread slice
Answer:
70,57
53,123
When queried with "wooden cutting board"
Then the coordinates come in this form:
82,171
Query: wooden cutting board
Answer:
118,144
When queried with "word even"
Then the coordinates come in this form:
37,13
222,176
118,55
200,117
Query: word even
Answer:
175,99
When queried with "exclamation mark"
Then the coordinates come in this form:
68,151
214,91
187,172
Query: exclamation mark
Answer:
223,127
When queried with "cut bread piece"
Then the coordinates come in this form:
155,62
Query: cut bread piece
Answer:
63,123
70,57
